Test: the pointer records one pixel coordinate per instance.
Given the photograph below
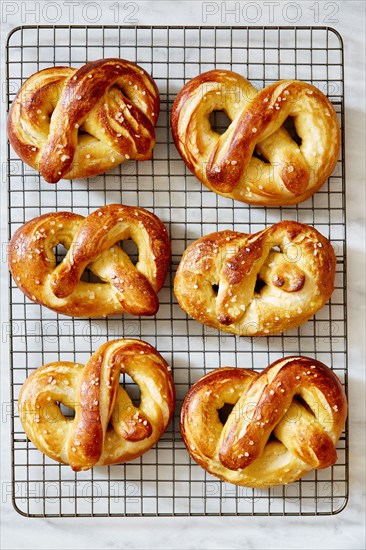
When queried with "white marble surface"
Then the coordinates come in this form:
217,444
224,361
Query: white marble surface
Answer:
345,530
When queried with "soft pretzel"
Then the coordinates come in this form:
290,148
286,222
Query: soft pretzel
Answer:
92,243
77,123
107,427
270,437
255,160
241,284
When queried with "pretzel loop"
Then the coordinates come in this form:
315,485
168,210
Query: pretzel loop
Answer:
270,437
107,427
92,243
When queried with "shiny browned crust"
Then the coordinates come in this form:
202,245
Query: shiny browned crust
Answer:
107,427
226,165
92,243
114,102
299,279
241,451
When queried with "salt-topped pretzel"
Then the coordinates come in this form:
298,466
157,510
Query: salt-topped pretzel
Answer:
260,284
77,123
108,428
92,243
256,160
270,437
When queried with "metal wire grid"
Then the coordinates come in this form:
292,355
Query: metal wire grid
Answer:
165,481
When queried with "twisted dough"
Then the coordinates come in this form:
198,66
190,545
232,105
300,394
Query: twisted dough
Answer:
77,123
92,243
241,284
107,427
255,160
241,451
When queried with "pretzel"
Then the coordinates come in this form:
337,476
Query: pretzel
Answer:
77,123
92,243
241,284
107,427
256,160
270,437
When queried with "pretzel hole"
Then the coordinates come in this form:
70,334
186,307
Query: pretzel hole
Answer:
299,400
60,252
260,157
89,277
215,289
259,285
219,121
289,125
130,248
131,388
67,412
224,412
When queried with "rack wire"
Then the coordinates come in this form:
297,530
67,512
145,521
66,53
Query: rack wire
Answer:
165,481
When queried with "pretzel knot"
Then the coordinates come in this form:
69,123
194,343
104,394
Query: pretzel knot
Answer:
107,428
92,243
270,436
76,123
256,160
255,285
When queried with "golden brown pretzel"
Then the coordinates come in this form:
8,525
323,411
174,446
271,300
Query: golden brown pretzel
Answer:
232,164
241,450
92,243
107,427
77,123
241,284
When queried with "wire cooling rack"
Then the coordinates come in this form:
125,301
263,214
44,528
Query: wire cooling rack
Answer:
164,481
